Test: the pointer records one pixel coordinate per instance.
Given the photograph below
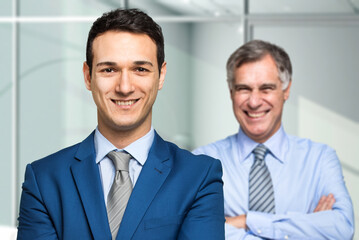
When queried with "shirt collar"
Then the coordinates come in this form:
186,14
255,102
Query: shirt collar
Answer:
139,149
277,144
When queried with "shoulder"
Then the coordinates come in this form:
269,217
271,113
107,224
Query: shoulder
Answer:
218,148
184,155
66,156
308,145
196,169
311,151
201,166
58,159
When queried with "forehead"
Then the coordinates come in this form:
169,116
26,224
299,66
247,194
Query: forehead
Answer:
120,45
261,71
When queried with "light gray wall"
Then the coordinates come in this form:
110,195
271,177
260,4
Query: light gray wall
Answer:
211,115
173,105
5,124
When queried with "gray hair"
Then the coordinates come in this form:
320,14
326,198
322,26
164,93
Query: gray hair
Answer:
254,51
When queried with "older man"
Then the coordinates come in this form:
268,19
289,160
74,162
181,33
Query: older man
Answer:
276,186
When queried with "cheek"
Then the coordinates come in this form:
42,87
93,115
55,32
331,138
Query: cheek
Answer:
238,100
274,99
103,86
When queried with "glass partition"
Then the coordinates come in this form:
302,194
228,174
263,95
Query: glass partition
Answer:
6,125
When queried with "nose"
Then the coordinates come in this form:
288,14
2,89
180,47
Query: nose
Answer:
124,85
254,100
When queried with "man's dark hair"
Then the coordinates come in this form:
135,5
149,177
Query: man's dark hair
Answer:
126,20
254,51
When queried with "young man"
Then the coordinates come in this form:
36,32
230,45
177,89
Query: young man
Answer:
123,181
276,186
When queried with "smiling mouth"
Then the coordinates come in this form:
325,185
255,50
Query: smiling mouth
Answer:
125,103
256,114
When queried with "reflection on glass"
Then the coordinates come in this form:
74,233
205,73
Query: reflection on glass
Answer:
65,7
303,6
200,8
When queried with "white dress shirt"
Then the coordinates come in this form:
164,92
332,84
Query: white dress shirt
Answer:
138,150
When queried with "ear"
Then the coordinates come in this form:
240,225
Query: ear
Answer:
162,76
87,76
287,91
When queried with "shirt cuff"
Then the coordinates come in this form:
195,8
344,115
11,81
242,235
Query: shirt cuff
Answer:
260,224
233,233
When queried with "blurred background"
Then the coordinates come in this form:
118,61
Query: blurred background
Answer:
44,105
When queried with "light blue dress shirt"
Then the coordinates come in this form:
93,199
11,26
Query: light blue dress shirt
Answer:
139,151
302,171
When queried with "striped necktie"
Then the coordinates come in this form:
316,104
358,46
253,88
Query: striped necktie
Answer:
120,190
261,193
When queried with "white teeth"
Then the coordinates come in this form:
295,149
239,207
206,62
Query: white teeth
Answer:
125,103
256,115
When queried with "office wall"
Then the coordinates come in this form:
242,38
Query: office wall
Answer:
211,116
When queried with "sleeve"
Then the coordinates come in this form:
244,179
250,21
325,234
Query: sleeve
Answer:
205,219
337,223
34,220
233,233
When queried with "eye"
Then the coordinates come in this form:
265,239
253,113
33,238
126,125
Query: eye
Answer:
141,69
267,88
108,70
241,88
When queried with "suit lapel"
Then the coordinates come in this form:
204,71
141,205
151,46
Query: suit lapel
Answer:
153,174
88,182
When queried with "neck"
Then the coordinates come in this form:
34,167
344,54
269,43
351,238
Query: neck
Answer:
122,138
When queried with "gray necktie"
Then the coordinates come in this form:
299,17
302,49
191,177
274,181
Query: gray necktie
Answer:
120,191
261,194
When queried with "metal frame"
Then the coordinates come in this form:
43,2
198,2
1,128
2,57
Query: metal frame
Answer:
15,114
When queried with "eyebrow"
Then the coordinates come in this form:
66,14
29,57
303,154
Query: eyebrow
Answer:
114,64
105,64
240,85
143,63
269,85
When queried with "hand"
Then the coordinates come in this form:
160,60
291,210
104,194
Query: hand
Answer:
237,221
325,203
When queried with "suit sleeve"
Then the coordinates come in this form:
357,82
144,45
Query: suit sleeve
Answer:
337,223
205,219
34,220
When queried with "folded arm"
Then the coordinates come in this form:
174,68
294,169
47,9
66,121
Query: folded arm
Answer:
332,218
238,228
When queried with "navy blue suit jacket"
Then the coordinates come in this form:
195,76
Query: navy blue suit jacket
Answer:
177,196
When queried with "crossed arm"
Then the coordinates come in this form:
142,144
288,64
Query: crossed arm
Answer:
332,218
325,203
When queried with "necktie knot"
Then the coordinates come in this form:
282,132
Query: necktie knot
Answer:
120,160
259,152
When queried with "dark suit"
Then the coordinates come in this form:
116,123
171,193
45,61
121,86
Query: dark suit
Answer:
177,196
